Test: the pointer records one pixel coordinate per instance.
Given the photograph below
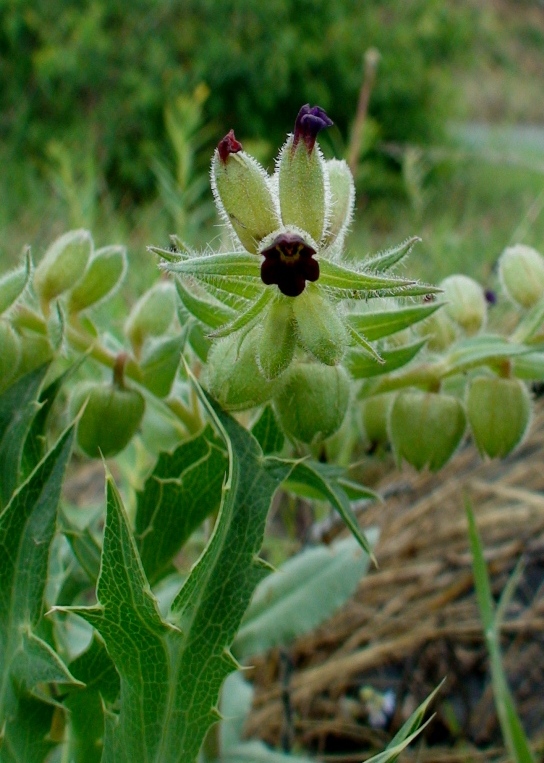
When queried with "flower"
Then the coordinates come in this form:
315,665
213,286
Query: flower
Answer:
309,122
289,263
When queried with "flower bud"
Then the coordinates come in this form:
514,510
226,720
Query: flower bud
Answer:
439,329
425,428
342,199
35,351
312,402
104,272
499,411
319,327
521,270
233,375
466,302
111,417
242,192
12,285
159,364
303,181
63,264
10,354
152,314
374,415
278,338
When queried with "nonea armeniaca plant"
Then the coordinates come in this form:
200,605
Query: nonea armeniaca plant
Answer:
280,295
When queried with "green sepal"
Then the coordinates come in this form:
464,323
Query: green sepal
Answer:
361,366
104,273
342,200
277,338
382,323
320,329
247,317
210,313
386,260
160,362
63,264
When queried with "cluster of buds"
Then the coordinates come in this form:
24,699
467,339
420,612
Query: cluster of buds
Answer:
277,301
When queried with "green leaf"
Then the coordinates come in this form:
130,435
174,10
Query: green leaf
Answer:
486,348
361,366
337,277
313,476
301,595
267,432
385,260
18,406
212,314
364,344
27,527
184,488
96,670
227,264
28,736
512,730
171,672
381,323
247,317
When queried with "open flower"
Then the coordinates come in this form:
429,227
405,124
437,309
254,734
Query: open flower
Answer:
289,263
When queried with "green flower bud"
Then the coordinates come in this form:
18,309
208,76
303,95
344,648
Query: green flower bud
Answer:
63,264
278,338
342,199
466,304
426,428
10,354
374,417
111,417
521,270
319,327
104,272
499,411
439,329
152,314
35,351
233,375
312,402
303,180
159,364
13,283
242,193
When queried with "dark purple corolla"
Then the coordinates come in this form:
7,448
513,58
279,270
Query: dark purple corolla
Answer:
309,122
289,263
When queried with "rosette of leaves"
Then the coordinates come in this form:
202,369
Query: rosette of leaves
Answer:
283,293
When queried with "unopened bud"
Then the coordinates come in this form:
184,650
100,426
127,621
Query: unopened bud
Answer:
159,364
312,402
242,192
439,330
10,354
104,272
466,302
342,198
278,338
499,411
319,327
426,428
303,180
63,264
521,271
110,420
233,375
152,314
374,416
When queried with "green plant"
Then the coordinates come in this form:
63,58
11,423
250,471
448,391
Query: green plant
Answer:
115,644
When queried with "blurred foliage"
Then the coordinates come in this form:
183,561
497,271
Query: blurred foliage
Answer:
97,75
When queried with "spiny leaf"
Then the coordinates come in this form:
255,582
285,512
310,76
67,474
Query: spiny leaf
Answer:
362,367
27,526
381,323
337,277
227,264
171,672
184,488
18,406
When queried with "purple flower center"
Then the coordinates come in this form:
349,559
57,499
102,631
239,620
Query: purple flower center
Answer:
228,145
289,263
309,122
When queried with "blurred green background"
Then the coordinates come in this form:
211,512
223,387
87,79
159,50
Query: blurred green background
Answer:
109,112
